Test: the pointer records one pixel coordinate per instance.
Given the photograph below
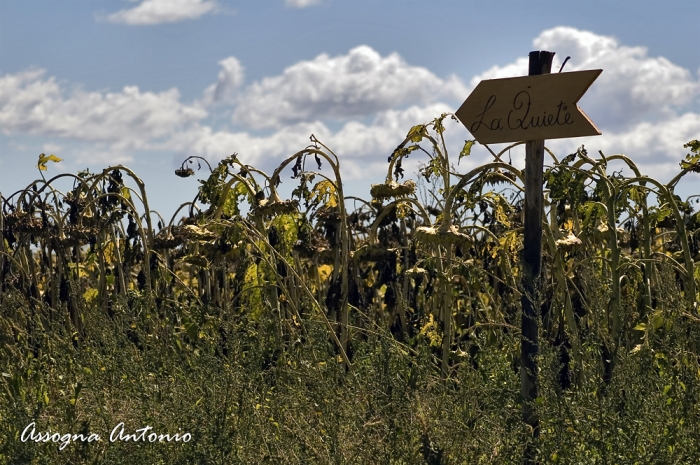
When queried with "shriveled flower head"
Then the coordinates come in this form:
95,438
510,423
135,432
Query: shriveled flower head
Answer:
372,253
275,207
184,172
169,238
392,189
568,242
451,236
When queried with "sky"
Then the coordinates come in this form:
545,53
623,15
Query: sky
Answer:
147,83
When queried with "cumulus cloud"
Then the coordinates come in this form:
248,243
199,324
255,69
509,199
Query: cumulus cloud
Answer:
359,84
353,142
150,12
646,107
633,87
51,148
33,104
360,104
301,3
229,80
656,147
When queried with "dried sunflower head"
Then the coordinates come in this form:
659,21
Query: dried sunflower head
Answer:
197,260
392,189
568,242
372,253
197,233
311,245
184,172
450,237
23,222
166,240
275,207
603,233
328,215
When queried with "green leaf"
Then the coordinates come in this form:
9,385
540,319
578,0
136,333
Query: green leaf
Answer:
658,215
44,159
325,192
692,160
467,149
437,123
192,331
433,168
501,211
637,194
417,133
657,320
693,145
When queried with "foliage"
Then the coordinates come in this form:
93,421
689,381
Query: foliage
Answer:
330,329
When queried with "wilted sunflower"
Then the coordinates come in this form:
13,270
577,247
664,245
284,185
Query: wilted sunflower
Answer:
568,242
372,253
448,237
184,172
392,189
268,207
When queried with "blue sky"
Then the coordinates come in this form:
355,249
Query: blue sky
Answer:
148,82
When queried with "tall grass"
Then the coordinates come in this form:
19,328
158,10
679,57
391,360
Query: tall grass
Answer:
331,329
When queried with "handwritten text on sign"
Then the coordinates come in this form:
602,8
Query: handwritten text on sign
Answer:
529,108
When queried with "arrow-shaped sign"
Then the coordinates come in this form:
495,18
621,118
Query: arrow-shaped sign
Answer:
529,108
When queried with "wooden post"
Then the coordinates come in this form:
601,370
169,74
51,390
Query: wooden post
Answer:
540,63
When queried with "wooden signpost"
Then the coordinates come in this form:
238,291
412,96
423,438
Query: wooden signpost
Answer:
532,108
529,108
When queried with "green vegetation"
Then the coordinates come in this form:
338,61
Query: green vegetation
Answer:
330,329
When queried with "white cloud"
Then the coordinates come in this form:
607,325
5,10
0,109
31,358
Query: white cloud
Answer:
646,107
51,148
32,104
123,123
360,104
359,84
109,155
656,147
229,80
150,12
358,145
518,68
632,88
301,3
